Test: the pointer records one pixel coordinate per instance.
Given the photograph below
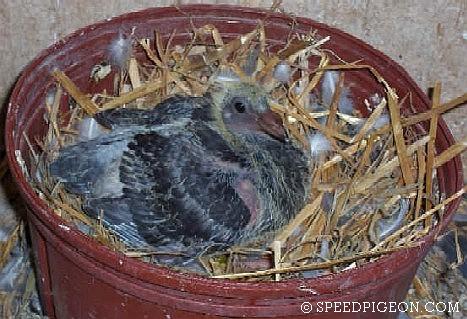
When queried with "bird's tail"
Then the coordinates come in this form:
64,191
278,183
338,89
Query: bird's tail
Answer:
115,216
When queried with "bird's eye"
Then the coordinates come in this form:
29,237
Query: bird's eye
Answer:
240,106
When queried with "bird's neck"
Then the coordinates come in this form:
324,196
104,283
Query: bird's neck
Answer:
234,139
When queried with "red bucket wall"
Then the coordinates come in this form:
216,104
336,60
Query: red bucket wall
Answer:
81,279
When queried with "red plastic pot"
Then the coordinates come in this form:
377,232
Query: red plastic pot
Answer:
80,278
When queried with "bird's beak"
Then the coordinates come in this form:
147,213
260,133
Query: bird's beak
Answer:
271,123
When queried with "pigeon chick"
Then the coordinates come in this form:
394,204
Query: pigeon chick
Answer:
191,173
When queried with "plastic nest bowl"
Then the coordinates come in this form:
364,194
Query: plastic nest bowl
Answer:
80,278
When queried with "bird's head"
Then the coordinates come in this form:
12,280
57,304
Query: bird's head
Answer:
243,108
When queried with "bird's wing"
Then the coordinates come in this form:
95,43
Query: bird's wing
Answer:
173,109
183,187
85,167
91,169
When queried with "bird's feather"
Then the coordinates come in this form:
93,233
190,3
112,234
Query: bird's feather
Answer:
172,110
86,166
328,89
188,190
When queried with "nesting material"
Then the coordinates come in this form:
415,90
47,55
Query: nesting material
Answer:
18,287
369,192
17,281
442,277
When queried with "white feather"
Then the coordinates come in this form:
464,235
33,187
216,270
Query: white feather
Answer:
298,89
120,50
381,121
226,75
4,235
282,72
251,61
50,97
375,99
324,253
328,88
319,144
88,128
10,272
346,104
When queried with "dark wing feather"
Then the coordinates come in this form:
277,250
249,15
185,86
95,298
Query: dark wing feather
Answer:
171,110
182,187
84,166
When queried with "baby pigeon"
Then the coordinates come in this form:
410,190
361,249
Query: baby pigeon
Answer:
191,173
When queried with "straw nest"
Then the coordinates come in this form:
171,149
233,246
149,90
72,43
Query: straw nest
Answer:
358,188
441,278
17,279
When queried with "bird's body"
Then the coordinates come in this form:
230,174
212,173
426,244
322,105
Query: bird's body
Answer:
191,173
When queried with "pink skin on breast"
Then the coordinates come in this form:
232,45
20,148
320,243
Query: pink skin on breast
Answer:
247,192
243,186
